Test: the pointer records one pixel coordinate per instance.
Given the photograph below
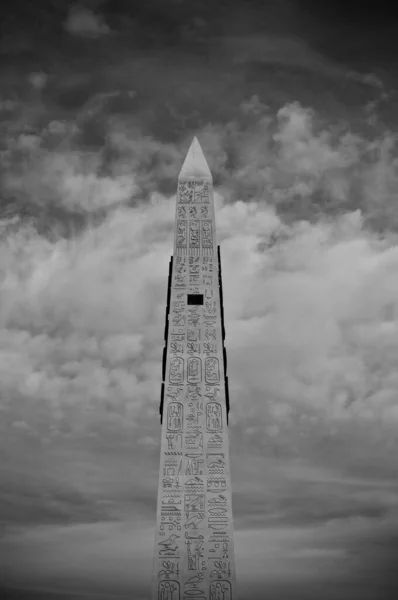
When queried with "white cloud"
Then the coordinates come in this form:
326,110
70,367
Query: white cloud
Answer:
306,319
66,179
83,319
312,299
311,321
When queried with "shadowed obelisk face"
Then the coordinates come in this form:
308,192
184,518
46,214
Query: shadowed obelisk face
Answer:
194,553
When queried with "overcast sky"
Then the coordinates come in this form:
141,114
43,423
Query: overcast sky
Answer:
295,109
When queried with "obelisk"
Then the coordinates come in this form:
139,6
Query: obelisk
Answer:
194,552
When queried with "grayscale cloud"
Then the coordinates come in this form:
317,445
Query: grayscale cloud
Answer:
83,22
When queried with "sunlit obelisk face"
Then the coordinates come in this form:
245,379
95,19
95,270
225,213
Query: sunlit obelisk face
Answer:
194,553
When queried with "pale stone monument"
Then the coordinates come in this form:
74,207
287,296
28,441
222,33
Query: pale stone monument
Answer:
194,552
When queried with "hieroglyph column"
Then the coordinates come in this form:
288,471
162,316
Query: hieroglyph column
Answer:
194,552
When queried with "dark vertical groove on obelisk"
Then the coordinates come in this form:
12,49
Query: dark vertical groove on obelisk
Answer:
223,331
166,333
194,555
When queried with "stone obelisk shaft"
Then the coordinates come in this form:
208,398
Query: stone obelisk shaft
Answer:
194,552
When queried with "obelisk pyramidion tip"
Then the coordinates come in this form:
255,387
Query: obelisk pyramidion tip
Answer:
195,165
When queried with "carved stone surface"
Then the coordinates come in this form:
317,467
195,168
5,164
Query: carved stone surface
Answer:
194,551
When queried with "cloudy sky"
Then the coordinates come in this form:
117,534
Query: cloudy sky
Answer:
294,103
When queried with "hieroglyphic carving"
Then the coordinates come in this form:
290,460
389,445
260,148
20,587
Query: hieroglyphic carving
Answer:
210,333
218,511
202,192
194,280
194,507
171,483
178,319
209,348
204,212
172,467
181,212
195,411
194,465
181,265
177,306
193,335
175,417
170,519
215,441
218,549
177,335
174,441
194,265
194,234
176,348
214,417
194,370
193,316
170,499
181,237
210,307
207,234
218,521
215,463
194,392
208,264
176,374
169,590
222,568
193,347
194,440
186,192
212,371
216,484
194,588
194,485
169,547
220,590
219,536
212,392
194,545
173,392
170,568
194,520
210,320
194,288
180,281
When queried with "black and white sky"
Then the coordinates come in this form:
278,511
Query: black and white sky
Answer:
295,106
